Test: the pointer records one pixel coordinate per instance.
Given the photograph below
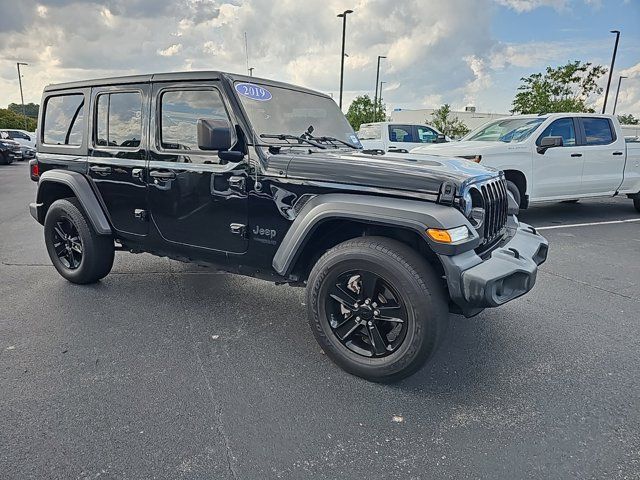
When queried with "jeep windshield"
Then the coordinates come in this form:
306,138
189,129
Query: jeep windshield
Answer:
506,130
278,114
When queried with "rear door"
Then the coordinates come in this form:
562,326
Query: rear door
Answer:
118,154
194,200
557,172
604,156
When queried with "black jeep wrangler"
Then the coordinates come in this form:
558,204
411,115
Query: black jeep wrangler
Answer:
268,180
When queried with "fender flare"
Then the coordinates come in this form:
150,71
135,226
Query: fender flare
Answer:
81,188
408,214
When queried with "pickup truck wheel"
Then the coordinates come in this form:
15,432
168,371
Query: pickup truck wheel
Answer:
515,191
636,203
376,308
78,253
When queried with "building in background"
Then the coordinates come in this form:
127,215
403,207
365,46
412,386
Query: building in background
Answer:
469,117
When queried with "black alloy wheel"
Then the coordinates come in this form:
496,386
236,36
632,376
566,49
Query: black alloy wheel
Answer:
67,243
366,314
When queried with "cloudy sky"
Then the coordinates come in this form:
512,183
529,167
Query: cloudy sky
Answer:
462,52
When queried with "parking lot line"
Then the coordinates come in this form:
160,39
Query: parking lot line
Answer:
552,227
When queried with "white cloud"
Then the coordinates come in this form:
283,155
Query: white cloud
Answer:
171,50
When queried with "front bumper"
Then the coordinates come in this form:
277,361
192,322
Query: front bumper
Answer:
509,272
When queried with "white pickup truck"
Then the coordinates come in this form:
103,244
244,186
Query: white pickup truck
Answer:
397,137
554,157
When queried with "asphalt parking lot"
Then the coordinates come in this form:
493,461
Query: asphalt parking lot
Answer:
166,370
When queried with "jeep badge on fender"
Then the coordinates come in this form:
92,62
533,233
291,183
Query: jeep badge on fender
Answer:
260,178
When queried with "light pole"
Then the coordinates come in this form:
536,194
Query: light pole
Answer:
343,15
24,113
381,83
615,102
251,71
375,97
613,61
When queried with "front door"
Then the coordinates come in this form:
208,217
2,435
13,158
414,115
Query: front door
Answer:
401,138
194,199
558,171
118,154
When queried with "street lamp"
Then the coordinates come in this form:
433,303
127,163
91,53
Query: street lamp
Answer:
251,71
24,113
375,97
381,83
615,102
613,61
343,15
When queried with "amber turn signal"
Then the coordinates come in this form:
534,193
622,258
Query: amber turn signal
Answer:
450,235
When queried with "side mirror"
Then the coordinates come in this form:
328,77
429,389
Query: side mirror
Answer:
214,134
441,138
549,142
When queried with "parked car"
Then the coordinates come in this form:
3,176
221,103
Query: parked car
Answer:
397,137
560,156
9,151
27,141
213,168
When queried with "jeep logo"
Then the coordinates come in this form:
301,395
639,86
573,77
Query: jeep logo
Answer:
264,232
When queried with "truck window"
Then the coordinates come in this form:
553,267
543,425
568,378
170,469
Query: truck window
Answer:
119,120
64,120
597,131
370,132
179,114
427,135
400,133
563,127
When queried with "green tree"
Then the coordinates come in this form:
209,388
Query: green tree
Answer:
628,119
31,109
361,111
563,89
451,126
10,119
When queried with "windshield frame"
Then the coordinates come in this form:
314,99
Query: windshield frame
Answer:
259,141
535,122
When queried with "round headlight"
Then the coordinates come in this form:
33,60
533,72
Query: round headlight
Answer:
473,203
467,203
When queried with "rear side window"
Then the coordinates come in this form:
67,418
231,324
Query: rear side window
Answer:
180,111
562,127
64,120
119,120
597,131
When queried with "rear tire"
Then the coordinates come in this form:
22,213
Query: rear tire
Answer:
636,203
407,314
515,191
6,160
77,252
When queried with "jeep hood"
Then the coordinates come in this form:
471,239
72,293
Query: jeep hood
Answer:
394,171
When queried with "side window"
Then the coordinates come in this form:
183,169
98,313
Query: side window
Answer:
119,120
179,114
563,127
400,133
597,131
427,135
64,120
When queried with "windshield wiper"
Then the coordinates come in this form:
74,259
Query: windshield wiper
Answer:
300,139
332,139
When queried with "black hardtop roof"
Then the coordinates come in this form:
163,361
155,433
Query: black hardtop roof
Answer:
173,77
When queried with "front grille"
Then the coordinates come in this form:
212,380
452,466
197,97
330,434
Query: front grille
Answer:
496,205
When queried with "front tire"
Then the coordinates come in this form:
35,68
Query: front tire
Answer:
77,252
376,308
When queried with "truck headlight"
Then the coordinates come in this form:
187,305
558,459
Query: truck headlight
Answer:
450,235
473,206
473,158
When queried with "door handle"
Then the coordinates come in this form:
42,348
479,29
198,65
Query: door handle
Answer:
100,170
576,154
162,175
617,153
137,173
